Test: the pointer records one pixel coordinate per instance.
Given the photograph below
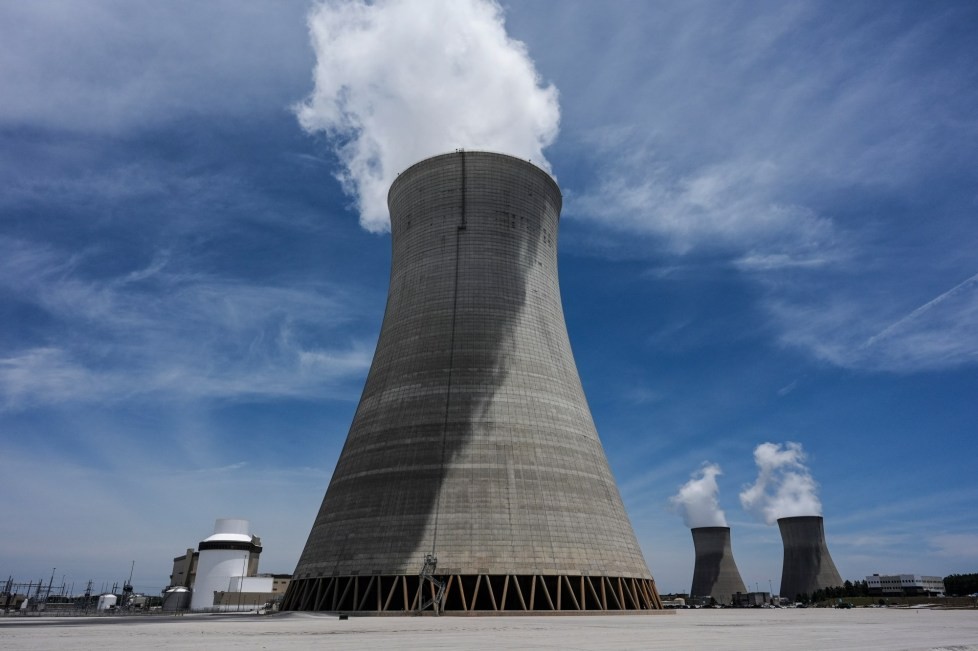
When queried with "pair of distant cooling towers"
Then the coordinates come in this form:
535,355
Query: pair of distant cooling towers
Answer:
807,564
472,480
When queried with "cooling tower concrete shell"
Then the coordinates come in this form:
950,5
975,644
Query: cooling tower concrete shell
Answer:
807,564
473,441
715,573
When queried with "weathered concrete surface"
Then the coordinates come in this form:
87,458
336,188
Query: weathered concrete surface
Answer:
755,629
715,573
808,566
473,439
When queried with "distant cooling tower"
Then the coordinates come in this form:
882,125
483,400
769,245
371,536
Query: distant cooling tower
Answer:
715,573
472,479
807,564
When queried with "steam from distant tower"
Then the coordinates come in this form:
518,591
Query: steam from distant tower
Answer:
715,573
785,492
784,485
399,81
697,499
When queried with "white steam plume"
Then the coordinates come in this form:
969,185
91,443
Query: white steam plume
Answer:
784,487
697,499
399,81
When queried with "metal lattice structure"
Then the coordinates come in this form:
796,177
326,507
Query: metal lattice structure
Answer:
473,442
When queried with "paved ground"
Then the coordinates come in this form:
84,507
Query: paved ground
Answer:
870,628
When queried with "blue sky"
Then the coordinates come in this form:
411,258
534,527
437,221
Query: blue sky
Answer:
769,235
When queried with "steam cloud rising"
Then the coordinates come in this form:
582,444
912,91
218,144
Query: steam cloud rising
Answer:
399,81
697,499
784,486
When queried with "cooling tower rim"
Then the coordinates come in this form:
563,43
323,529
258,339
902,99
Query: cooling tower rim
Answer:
800,518
713,528
477,152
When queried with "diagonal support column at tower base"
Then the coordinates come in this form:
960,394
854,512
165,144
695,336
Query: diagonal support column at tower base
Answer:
472,479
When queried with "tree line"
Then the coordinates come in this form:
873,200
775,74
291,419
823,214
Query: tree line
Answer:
847,589
955,584
961,584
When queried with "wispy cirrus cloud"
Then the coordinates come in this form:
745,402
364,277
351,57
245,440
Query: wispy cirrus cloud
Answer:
870,334
731,205
159,330
116,66
798,167
955,545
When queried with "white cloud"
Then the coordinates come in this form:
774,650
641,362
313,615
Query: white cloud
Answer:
784,487
771,261
697,499
113,65
160,331
942,332
400,81
731,205
788,146
955,545
866,334
788,388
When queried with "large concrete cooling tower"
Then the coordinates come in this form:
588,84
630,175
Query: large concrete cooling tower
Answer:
472,479
715,573
807,564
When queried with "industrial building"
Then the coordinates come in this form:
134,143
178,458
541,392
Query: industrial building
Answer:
472,479
222,574
808,566
751,599
905,585
715,573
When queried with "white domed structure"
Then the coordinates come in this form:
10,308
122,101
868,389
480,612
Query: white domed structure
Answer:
226,556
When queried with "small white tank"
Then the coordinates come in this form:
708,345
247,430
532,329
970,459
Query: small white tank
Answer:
176,599
107,602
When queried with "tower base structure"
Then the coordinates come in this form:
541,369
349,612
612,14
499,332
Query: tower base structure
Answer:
481,594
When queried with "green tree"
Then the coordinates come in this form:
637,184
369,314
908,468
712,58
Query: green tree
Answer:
961,584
